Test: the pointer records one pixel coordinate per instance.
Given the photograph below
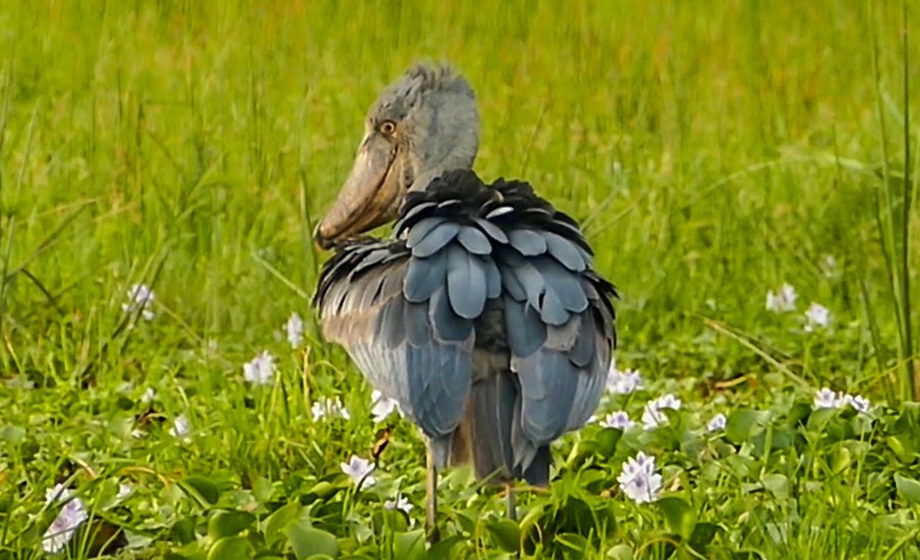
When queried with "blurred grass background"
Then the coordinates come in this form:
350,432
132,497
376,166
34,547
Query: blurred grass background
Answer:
712,151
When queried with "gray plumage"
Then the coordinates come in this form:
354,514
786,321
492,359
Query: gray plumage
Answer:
482,316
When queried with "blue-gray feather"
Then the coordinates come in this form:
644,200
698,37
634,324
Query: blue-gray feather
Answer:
492,230
435,240
564,251
474,240
524,328
448,326
421,229
466,282
565,285
548,386
528,242
424,276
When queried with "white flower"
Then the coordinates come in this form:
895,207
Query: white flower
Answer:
619,420
622,382
326,407
180,427
359,470
652,417
860,403
259,370
71,516
141,297
717,423
382,406
782,301
124,490
294,329
639,480
817,316
148,395
825,398
401,503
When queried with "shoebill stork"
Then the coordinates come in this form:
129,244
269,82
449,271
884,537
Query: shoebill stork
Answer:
482,314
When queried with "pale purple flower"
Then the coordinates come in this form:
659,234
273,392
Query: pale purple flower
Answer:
783,300
294,330
149,395
181,427
71,516
825,398
260,370
639,480
817,316
329,407
359,470
653,416
141,297
717,424
382,406
124,490
623,382
860,403
619,420
401,503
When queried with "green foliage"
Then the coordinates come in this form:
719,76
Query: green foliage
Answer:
711,155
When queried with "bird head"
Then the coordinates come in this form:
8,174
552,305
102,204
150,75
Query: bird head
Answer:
421,126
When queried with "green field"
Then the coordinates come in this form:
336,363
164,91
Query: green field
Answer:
712,151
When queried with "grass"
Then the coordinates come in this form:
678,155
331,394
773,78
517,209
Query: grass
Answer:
712,152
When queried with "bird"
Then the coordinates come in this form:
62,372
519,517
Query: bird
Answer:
482,313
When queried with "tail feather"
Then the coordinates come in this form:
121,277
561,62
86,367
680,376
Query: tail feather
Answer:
484,434
490,436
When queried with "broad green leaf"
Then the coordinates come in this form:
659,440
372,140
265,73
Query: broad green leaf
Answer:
262,489
819,419
309,541
531,518
506,533
776,484
607,441
231,548
279,520
743,424
702,535
441,550
798,413
908,488
12,434
678,514
202,487
903,446
324,490
229,523
183,530
621,552
572,541
410,546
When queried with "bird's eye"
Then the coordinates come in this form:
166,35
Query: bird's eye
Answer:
387,128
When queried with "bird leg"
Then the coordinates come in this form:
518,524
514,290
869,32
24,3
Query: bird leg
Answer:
510,500
431,509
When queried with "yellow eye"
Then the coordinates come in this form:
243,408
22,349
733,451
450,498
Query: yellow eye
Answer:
387,128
